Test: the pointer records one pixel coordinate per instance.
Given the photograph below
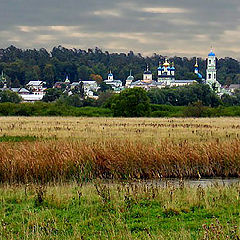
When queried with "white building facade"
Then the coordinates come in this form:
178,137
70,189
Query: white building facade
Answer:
166,73
211,73
116,85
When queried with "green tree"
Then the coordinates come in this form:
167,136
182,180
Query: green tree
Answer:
52,94
79,90
132,102
185,95
103,98
105,87
195,110
49,74
9,96
84,72
96,78
73,100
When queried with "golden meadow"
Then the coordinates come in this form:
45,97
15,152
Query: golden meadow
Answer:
81,149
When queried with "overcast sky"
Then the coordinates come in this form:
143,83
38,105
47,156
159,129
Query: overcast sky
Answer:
172,27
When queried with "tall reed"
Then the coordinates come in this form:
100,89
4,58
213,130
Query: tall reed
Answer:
79,160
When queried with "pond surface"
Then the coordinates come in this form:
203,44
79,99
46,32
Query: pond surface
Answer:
205,182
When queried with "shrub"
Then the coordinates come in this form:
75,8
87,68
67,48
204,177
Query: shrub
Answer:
131,103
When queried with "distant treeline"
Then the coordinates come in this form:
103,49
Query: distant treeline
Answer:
21,66
196,100
53,109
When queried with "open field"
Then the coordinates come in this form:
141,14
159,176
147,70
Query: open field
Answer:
134,129
63,149
53,174
119,211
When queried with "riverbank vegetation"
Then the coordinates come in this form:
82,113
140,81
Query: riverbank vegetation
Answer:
106,178
125,210
55,109
197,100
66,149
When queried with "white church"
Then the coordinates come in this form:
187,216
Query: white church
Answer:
211,74
166,76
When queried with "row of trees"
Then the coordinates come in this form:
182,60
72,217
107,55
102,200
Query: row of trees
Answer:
21,66
195,100
178,96
185,95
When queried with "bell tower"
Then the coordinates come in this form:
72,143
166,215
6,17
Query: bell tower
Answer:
211,76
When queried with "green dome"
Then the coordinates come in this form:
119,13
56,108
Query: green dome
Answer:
130,78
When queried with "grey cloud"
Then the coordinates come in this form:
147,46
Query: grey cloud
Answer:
189,29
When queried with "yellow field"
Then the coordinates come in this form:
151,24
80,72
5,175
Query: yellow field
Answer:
86,148
141,129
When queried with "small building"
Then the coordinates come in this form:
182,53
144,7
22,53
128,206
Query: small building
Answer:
166,73
23,91
179,83
36,86
116,85
147,76
62,85
32,97
34,91
233,87
129,79
211,73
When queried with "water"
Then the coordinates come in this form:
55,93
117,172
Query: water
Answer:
207,182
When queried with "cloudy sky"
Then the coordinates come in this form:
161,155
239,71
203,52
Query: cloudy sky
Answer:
172,27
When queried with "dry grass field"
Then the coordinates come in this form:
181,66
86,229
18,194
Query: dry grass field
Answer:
141,129
85,148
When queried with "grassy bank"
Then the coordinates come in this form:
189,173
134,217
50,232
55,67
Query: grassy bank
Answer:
65,149
63,161
53,109
119,211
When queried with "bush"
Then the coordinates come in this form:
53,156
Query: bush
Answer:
195,110
51,109
9,96
131,103
160,114
167,111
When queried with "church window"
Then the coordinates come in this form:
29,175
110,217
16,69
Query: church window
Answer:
209,75
210,61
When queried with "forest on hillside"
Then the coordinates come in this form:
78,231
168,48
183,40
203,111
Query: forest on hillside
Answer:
23,65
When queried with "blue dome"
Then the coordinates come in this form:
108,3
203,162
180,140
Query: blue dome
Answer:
110,74
173,68
200,75
211,54
160,68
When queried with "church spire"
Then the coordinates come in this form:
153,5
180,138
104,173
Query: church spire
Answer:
196,64
196,67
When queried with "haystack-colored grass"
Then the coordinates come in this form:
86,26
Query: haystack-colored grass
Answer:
87,148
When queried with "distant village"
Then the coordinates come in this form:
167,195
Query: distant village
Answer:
35,90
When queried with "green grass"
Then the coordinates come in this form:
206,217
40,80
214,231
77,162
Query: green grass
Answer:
54,109
26,138
51,109
118,211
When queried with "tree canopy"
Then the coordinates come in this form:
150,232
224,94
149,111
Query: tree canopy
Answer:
132,102
21,66
9,96
185,95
